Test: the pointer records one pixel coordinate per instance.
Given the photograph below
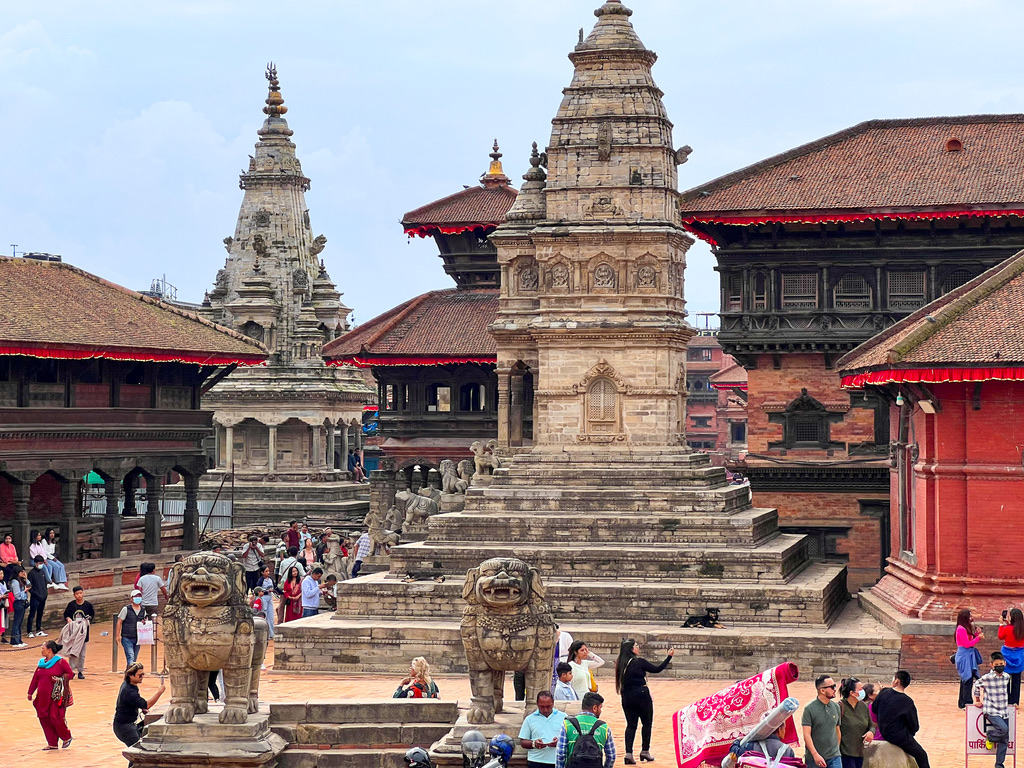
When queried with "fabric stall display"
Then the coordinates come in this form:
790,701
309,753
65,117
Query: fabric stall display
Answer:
705,729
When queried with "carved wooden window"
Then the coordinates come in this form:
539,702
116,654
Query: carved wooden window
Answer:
738,432
439,398
389,397
852,292
701,422
473,397
906,289
602,405
733,298
955,279
701,354
760,291
800,290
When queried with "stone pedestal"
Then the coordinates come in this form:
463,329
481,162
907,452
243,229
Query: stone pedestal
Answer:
206,742
453,502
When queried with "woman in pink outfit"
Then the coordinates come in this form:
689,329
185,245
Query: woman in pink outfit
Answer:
52,712
967,656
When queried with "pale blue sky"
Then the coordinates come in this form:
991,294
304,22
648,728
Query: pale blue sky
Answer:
126,124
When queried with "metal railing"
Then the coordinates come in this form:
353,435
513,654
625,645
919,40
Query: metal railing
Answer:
212,517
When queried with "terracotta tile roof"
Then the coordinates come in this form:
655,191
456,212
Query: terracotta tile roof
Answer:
472,207
979,325
881,165
734,375
439,325
50,309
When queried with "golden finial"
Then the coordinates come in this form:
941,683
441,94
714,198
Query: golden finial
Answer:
275,101
495,169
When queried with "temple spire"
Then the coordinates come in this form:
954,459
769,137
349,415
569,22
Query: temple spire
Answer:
495,176
275,124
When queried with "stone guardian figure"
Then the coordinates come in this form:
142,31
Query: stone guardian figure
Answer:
506,627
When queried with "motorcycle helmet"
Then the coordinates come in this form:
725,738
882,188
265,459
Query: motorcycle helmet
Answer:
502,748
417,757
474,749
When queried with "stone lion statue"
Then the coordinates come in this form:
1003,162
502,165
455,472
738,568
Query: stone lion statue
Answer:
382,538
319,243
483,459
210,627
451,477
506,627
417,507
334,561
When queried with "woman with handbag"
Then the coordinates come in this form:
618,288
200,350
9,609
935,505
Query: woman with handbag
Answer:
51,683
631,684
583,661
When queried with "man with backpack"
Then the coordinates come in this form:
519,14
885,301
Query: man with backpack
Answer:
586,740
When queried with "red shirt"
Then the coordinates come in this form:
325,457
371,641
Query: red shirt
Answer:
291,538
1006,635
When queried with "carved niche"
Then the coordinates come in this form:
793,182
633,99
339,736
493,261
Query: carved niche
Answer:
300,280
604,277
526,276
647,274
261,219
559,277
601,392
604,141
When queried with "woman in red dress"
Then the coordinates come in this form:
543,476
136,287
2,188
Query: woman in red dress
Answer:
52,671
293,595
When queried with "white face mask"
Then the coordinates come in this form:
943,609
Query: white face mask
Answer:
39,565
860,694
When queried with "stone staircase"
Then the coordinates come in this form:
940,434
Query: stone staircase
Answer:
628,544
359,734
335,503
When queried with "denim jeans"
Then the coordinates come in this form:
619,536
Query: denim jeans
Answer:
131,650
309,612
19,617
998,731
55,572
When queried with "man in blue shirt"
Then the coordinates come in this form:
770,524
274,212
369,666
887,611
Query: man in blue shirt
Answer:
540,730
311,592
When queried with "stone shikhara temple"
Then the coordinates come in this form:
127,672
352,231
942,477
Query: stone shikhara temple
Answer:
628,526
283,430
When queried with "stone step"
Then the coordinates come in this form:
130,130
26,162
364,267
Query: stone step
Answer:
812,597
365,711
773,560
364,735
854,643
343,758
542,497
750,526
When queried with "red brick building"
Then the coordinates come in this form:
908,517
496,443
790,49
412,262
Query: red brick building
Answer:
952,375
819,249
731,385
715,415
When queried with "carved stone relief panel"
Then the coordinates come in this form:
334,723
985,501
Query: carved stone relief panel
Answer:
261,219
559,278
604,276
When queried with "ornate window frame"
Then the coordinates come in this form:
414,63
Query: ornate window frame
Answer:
608,428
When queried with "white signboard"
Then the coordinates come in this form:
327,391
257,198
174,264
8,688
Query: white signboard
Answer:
976,733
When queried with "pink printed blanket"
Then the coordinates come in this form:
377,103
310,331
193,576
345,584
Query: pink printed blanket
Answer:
705,729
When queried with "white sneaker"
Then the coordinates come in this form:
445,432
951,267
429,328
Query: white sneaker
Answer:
31,634
21,645
62,587
41,634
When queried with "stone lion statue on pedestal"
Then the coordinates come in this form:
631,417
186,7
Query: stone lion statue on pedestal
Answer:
506,627
209,627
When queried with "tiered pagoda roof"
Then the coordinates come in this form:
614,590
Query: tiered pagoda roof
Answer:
973,333
922,168
435,328
55,310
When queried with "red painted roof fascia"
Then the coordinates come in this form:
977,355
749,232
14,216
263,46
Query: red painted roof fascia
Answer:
689,222
930,376
430,230
367,362
136,355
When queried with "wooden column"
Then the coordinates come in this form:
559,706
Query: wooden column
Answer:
20,524
190,537
130,482
151,539
67,546
272,448
111,520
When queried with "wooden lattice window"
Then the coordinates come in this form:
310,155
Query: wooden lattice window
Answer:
906,289
733,293
760,291
955,279
852,292
602,405
800,290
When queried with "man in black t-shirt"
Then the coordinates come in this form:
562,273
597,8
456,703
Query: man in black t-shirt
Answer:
897,718
79,607
130,703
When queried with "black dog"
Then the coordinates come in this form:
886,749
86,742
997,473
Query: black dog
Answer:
709,620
